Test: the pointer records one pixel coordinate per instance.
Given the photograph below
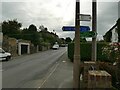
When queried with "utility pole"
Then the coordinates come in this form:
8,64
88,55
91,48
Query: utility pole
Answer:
76,66
94,29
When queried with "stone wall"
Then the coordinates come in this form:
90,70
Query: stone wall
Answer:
10,45
33,49
43,48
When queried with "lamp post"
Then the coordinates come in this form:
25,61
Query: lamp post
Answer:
76,66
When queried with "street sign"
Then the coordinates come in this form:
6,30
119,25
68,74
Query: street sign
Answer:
87,34
72,28
85,17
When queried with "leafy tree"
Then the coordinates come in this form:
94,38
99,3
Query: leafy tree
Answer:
31,34
62,40
81,40
11,28
26,35
42,28
32,28
68,40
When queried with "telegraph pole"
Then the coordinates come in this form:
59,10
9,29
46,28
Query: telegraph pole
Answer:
76,66
94,29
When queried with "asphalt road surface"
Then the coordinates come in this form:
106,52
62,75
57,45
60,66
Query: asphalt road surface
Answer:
28,71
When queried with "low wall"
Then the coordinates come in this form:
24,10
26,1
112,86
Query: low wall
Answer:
99,79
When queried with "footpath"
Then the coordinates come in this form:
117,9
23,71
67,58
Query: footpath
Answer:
61,75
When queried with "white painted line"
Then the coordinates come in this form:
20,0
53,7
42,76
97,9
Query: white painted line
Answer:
49,76
63,61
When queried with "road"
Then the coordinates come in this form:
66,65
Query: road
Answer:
29,71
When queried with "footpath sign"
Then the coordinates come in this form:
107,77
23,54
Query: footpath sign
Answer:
72,28
87,34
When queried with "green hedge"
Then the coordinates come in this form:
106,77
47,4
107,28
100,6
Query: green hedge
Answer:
86,51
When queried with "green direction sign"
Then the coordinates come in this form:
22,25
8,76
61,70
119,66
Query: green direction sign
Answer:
87,34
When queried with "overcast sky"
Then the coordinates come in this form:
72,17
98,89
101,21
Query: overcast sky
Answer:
54,14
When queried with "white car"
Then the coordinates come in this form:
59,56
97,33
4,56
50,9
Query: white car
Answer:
55,46
4,55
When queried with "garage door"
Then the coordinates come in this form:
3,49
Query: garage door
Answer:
24,49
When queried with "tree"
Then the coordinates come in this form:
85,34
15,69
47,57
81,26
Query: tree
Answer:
31,34
81,40
68,40
32,28
62,40
11,28
42,28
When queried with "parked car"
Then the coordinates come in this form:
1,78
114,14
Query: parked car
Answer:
4,55
55,46
62,45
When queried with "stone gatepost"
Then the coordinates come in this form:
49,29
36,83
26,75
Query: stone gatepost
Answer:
89,65
99,79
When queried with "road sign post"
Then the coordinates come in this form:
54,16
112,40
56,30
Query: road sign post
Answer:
76,65
83,32
94,27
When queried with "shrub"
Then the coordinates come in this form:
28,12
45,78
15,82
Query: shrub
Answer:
112,51
86,51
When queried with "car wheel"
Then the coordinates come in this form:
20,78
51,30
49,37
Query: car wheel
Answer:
7,58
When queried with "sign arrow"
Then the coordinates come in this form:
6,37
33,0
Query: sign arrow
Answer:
87,34
72,28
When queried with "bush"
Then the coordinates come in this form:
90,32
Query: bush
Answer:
86,51
112,71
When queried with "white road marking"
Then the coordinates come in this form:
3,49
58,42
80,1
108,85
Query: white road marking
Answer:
63,61
49,76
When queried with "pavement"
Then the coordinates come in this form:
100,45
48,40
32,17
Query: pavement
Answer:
60,75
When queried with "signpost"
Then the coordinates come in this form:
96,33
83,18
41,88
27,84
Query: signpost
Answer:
76,65
82,31
85,17
94,29
72,28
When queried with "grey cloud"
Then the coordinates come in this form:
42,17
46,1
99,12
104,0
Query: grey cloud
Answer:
12,10
107,16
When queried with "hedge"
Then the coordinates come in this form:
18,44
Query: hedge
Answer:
86,51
